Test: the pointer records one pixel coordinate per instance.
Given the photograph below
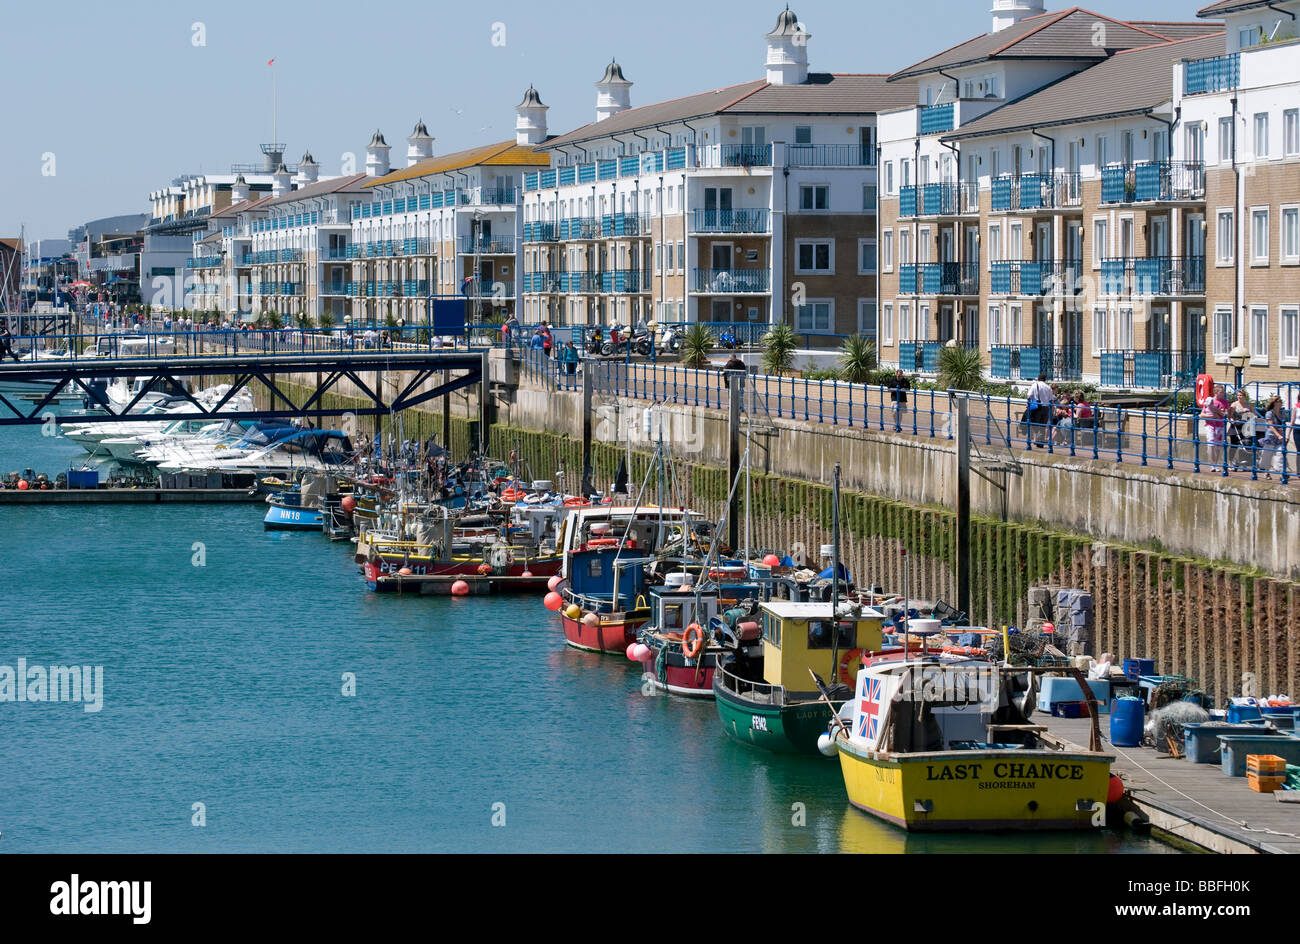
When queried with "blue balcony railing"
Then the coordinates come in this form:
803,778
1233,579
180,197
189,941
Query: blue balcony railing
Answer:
935,119
1156,275
540,232
580,227
1031,361
1036,192
1151,370
731,221
732,281
1020,278
1153,181
908,201
1213,74
487,245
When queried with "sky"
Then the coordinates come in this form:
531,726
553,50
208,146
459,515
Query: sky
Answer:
116,99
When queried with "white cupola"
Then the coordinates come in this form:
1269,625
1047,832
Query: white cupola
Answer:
308,170
613,92
1010,12
419,146
530,119
281,181
377,156
787,51
239,190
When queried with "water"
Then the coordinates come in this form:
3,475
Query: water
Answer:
222,686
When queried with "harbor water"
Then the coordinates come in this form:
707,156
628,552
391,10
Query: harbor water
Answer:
225,725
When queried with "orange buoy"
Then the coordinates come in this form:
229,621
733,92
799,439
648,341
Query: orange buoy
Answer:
459,589
22,485
693,641
1114,789
349,504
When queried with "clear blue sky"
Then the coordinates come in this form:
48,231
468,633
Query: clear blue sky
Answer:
122,97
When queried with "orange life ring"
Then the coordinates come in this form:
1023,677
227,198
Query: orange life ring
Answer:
1204,388
576,501
850,657
693,641
511,494
963,651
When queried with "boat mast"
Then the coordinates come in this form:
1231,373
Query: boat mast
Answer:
835,572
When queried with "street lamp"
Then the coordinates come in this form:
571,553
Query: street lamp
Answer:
1237,357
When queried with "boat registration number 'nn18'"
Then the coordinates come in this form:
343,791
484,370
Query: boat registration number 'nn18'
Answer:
758,722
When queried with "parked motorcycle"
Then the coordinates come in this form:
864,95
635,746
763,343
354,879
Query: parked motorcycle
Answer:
671,340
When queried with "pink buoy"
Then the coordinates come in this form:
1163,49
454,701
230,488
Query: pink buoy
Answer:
526,573
405,571
631,652
591,619
553,601
459,589
553,582
640,652
1048,629
349,503
771,560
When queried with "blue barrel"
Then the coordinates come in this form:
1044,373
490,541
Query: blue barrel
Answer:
1126,717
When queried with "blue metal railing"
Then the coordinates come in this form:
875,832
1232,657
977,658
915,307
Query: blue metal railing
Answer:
934,119
494,245
732,281
1212,74
730,221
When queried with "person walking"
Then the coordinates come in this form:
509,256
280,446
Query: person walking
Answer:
1275,422
7,342
569,358
1242,430
1039,411
898,395
1215,414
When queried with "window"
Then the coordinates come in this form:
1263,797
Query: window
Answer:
659,257
923,245
1224,238
905,171
815,317
1225,140
904,321
866,257
670,257
1288,334
1013,324
869,197
1259,236
1016,242
889,177
814,257
1290,250
1291,132
867,318
1261,134
1101,151
995,243
995,324
1195,142
1259,334
1100,241
1100,332
1125,330
681,254
1222,333
887,324
887,250
814,197
1248,37
995,162
802,134
904,247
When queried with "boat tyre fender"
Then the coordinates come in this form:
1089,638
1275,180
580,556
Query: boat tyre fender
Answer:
853,655
693,641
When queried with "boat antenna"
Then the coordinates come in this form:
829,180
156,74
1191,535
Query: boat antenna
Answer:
835,568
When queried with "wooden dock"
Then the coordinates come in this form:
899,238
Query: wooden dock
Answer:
126,496
1196,803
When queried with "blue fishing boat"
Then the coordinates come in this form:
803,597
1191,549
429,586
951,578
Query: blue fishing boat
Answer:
286,513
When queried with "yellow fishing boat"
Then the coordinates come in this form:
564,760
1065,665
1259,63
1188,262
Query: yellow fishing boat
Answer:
931,745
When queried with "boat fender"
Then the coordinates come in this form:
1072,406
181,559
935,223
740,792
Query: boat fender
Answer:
850,657
693,641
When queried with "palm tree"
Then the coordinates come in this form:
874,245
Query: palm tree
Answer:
960,368
326,320
697,344
778,348
857,359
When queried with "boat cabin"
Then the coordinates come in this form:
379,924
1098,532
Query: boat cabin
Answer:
802,636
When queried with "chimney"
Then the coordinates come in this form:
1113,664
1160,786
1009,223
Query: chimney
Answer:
419,145
281,181
308,170
1010,12
787,51
239,190
613,92
530,119
377,156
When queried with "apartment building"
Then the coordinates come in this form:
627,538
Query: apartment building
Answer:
1035,206
1240,115
750,203
443,227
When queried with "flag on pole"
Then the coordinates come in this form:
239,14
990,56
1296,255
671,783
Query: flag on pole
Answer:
270,62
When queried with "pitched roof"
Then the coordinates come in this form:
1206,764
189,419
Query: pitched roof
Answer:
1066,34
13,242
240,207
1233,6
823,94
1128,83
1179,30
350,183
501,154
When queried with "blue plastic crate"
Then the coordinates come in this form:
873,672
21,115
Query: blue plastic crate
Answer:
1237,747
1201,743
1134,669
1239,713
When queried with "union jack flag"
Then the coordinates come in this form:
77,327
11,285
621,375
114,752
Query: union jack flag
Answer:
869,710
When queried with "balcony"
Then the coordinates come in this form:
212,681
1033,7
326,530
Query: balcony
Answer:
1020,278
626,280
488,288
624,224
580,227
203,262
488,196
919,355
732,281
829,155
1153,182
1030,361
336,288
416,246
939,278
944,199
1151,370
718,156
580,282
1036,192
1157,275
731,221
935,119
415,288
1213,74
540,232
547,281
487,245
334,254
